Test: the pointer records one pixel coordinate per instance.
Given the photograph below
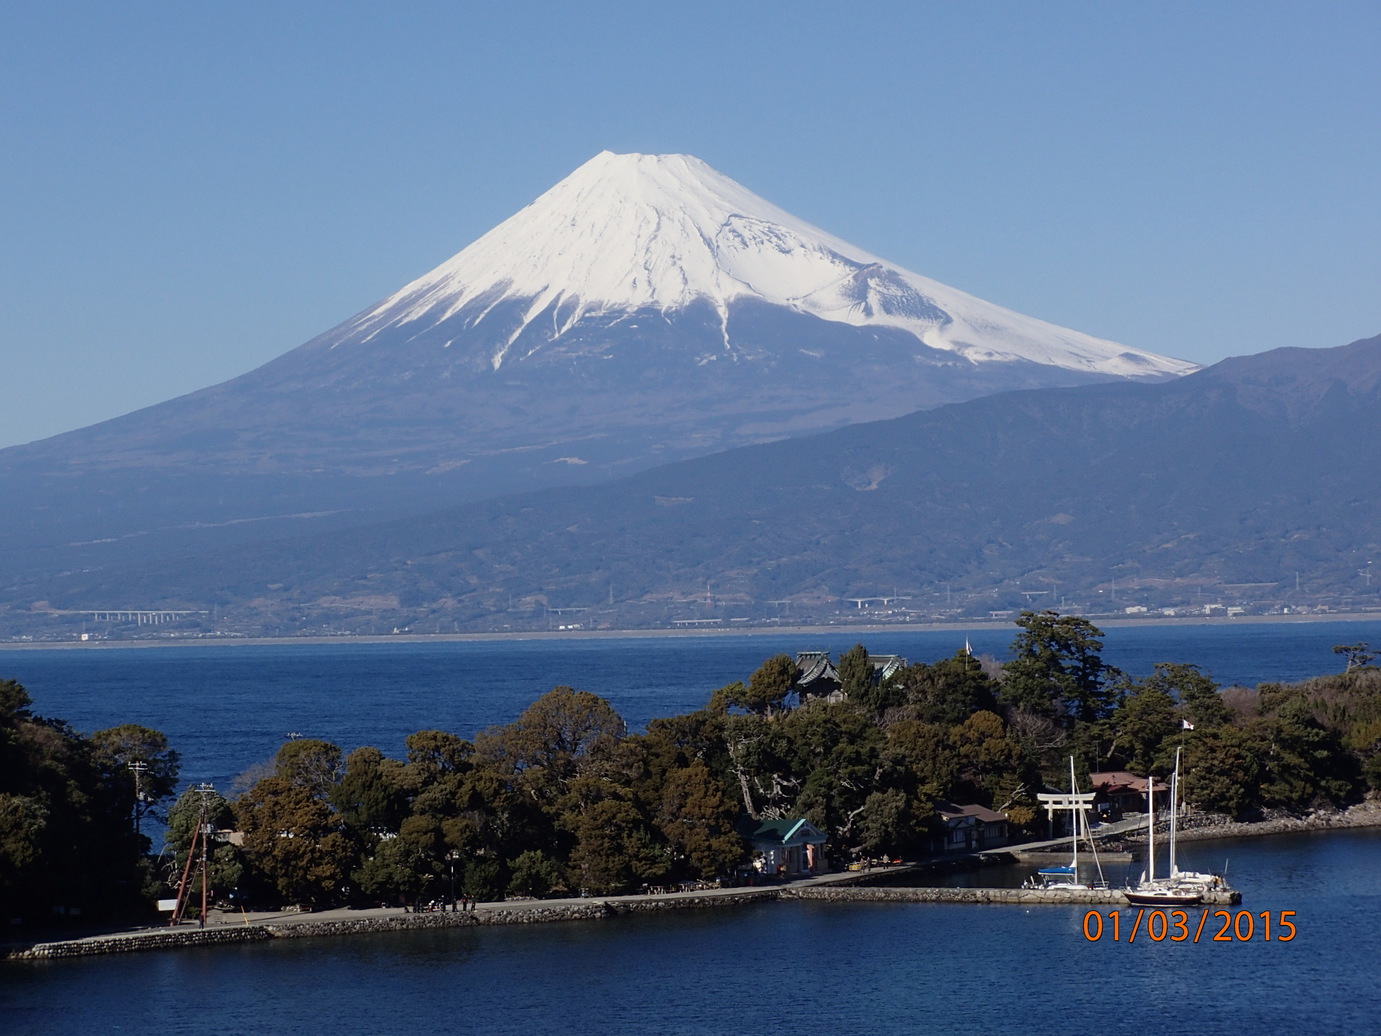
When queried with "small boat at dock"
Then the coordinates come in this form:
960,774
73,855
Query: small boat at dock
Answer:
1179,888
1066,876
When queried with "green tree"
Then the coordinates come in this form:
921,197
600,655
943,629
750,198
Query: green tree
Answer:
550,740
311,764
948,691
1304,762
1196,694
394,869
615,851
697,820
674,743
833,754
765,693
371,797
1058,667
857,678
894,822
433,754
534,873
66,840
989,759
1222,772
757,749
295,841
771,684
921,759
1141,724
483,878
138,764
1359,656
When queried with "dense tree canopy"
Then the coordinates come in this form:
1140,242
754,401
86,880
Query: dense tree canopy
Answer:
68,813
564,798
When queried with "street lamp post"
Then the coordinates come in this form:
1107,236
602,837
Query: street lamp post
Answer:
451,858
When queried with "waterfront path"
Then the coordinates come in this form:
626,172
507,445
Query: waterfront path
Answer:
254,926
257,927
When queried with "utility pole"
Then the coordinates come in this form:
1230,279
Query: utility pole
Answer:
203,835
205,791
138,768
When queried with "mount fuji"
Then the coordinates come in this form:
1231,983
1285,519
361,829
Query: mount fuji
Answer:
628,238
645,309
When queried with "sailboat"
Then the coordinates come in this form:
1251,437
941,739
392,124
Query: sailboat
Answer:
1066,876
1180,888
1178,878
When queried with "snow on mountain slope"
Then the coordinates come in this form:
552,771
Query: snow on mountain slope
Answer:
633,232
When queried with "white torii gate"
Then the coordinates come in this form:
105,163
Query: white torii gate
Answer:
1072,801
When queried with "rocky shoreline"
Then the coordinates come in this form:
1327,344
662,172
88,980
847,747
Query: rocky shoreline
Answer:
1210,826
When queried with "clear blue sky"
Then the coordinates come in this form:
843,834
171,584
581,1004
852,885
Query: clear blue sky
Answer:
190,189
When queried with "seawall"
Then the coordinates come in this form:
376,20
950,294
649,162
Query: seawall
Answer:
303,927
298,928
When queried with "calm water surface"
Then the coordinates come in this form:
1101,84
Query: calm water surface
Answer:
875,968
871,968
227,708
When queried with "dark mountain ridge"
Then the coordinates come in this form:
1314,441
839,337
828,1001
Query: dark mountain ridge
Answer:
1259,470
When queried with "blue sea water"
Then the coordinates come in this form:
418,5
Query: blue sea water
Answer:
824,968
869,968
228,708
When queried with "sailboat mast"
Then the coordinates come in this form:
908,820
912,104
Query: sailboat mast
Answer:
1076,815
1150,827
1174,813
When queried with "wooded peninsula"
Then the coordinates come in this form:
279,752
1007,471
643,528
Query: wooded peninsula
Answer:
565,799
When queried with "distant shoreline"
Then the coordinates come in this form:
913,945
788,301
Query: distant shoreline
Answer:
1117,622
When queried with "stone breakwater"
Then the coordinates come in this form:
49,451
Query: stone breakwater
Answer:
302,927
169,940
297,928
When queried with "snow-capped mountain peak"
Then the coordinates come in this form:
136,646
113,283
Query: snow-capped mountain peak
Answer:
627,233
